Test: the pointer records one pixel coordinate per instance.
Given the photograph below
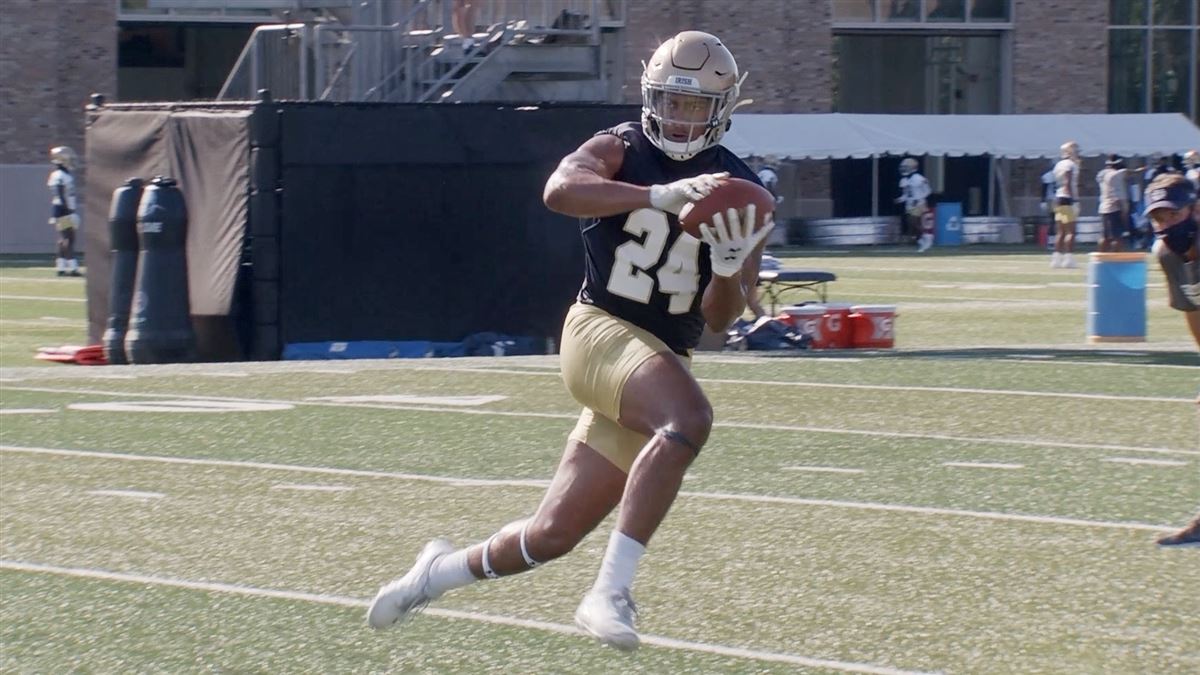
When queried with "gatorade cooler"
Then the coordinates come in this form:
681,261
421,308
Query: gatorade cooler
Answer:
836,327
807,319
1116,310
874,326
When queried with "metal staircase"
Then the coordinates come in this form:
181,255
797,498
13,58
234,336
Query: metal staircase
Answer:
530,50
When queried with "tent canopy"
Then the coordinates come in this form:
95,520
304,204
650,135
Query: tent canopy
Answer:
840,135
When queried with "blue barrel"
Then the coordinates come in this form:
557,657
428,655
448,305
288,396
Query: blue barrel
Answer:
123,239
948,224
1116,297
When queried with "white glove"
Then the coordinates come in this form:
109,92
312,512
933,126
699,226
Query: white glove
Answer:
729,246
672,197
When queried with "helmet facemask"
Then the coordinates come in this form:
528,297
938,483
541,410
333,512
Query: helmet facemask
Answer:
683,122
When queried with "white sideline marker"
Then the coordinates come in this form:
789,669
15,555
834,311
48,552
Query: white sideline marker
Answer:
228,373
541,484
312,488
1147,462
983,465
822,469
132,494
343,601
410,398
25,411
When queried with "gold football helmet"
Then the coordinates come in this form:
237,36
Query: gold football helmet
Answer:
1192,158
1069,150
64,156
689,90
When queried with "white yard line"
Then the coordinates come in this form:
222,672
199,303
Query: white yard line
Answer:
312,488
343,601
573,416
455,481
822,469
27,411
983,465
41,297
132,494
872,387
1148,462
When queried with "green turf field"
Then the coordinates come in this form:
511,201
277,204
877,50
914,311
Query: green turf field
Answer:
983,499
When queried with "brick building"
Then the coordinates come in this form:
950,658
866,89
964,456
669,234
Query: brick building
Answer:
866,56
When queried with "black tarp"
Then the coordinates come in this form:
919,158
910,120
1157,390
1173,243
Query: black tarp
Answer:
207,152
364,221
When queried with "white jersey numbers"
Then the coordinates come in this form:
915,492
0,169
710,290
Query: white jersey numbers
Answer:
678,277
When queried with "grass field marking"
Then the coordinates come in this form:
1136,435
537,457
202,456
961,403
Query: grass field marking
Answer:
40,280
1148,462
27,411
822,469
224,373
573,416
32,322
1107,364
476,482
983,465
45,298
301,487
870,387
510,621
132,494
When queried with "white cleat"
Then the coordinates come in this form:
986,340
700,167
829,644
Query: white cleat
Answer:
608,616
1068,262
399,600
1056,260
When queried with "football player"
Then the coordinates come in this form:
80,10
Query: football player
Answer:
914,193
63,215
1191,163
649,289
1066,204
1171,208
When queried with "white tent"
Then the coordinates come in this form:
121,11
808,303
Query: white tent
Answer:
839,135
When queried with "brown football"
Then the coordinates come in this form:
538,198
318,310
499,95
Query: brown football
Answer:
732,193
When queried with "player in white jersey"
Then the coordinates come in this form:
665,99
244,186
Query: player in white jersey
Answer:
63,205
914,193
1066,204
1191,163
1114,204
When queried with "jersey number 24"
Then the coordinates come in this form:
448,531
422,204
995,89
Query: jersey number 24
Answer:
678,277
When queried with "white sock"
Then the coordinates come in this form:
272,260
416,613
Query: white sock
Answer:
450,572
620,563
72,264
60,264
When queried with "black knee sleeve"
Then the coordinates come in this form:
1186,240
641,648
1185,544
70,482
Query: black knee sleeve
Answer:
676,437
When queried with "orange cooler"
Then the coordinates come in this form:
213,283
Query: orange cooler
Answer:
874,326
808,319
836,326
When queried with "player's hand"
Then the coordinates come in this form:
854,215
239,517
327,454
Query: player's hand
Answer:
730,241
672,197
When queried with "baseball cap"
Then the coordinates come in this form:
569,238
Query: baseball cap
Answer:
1175,197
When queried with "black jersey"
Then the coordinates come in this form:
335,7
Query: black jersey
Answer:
638,266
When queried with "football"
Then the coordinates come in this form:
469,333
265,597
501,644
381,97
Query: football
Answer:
732,193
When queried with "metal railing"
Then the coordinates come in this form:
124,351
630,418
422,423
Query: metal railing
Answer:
414,58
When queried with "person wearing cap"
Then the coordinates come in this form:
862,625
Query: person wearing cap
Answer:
1171,208
1114,204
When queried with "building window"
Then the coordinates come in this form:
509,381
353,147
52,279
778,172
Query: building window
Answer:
899,13
1152,56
